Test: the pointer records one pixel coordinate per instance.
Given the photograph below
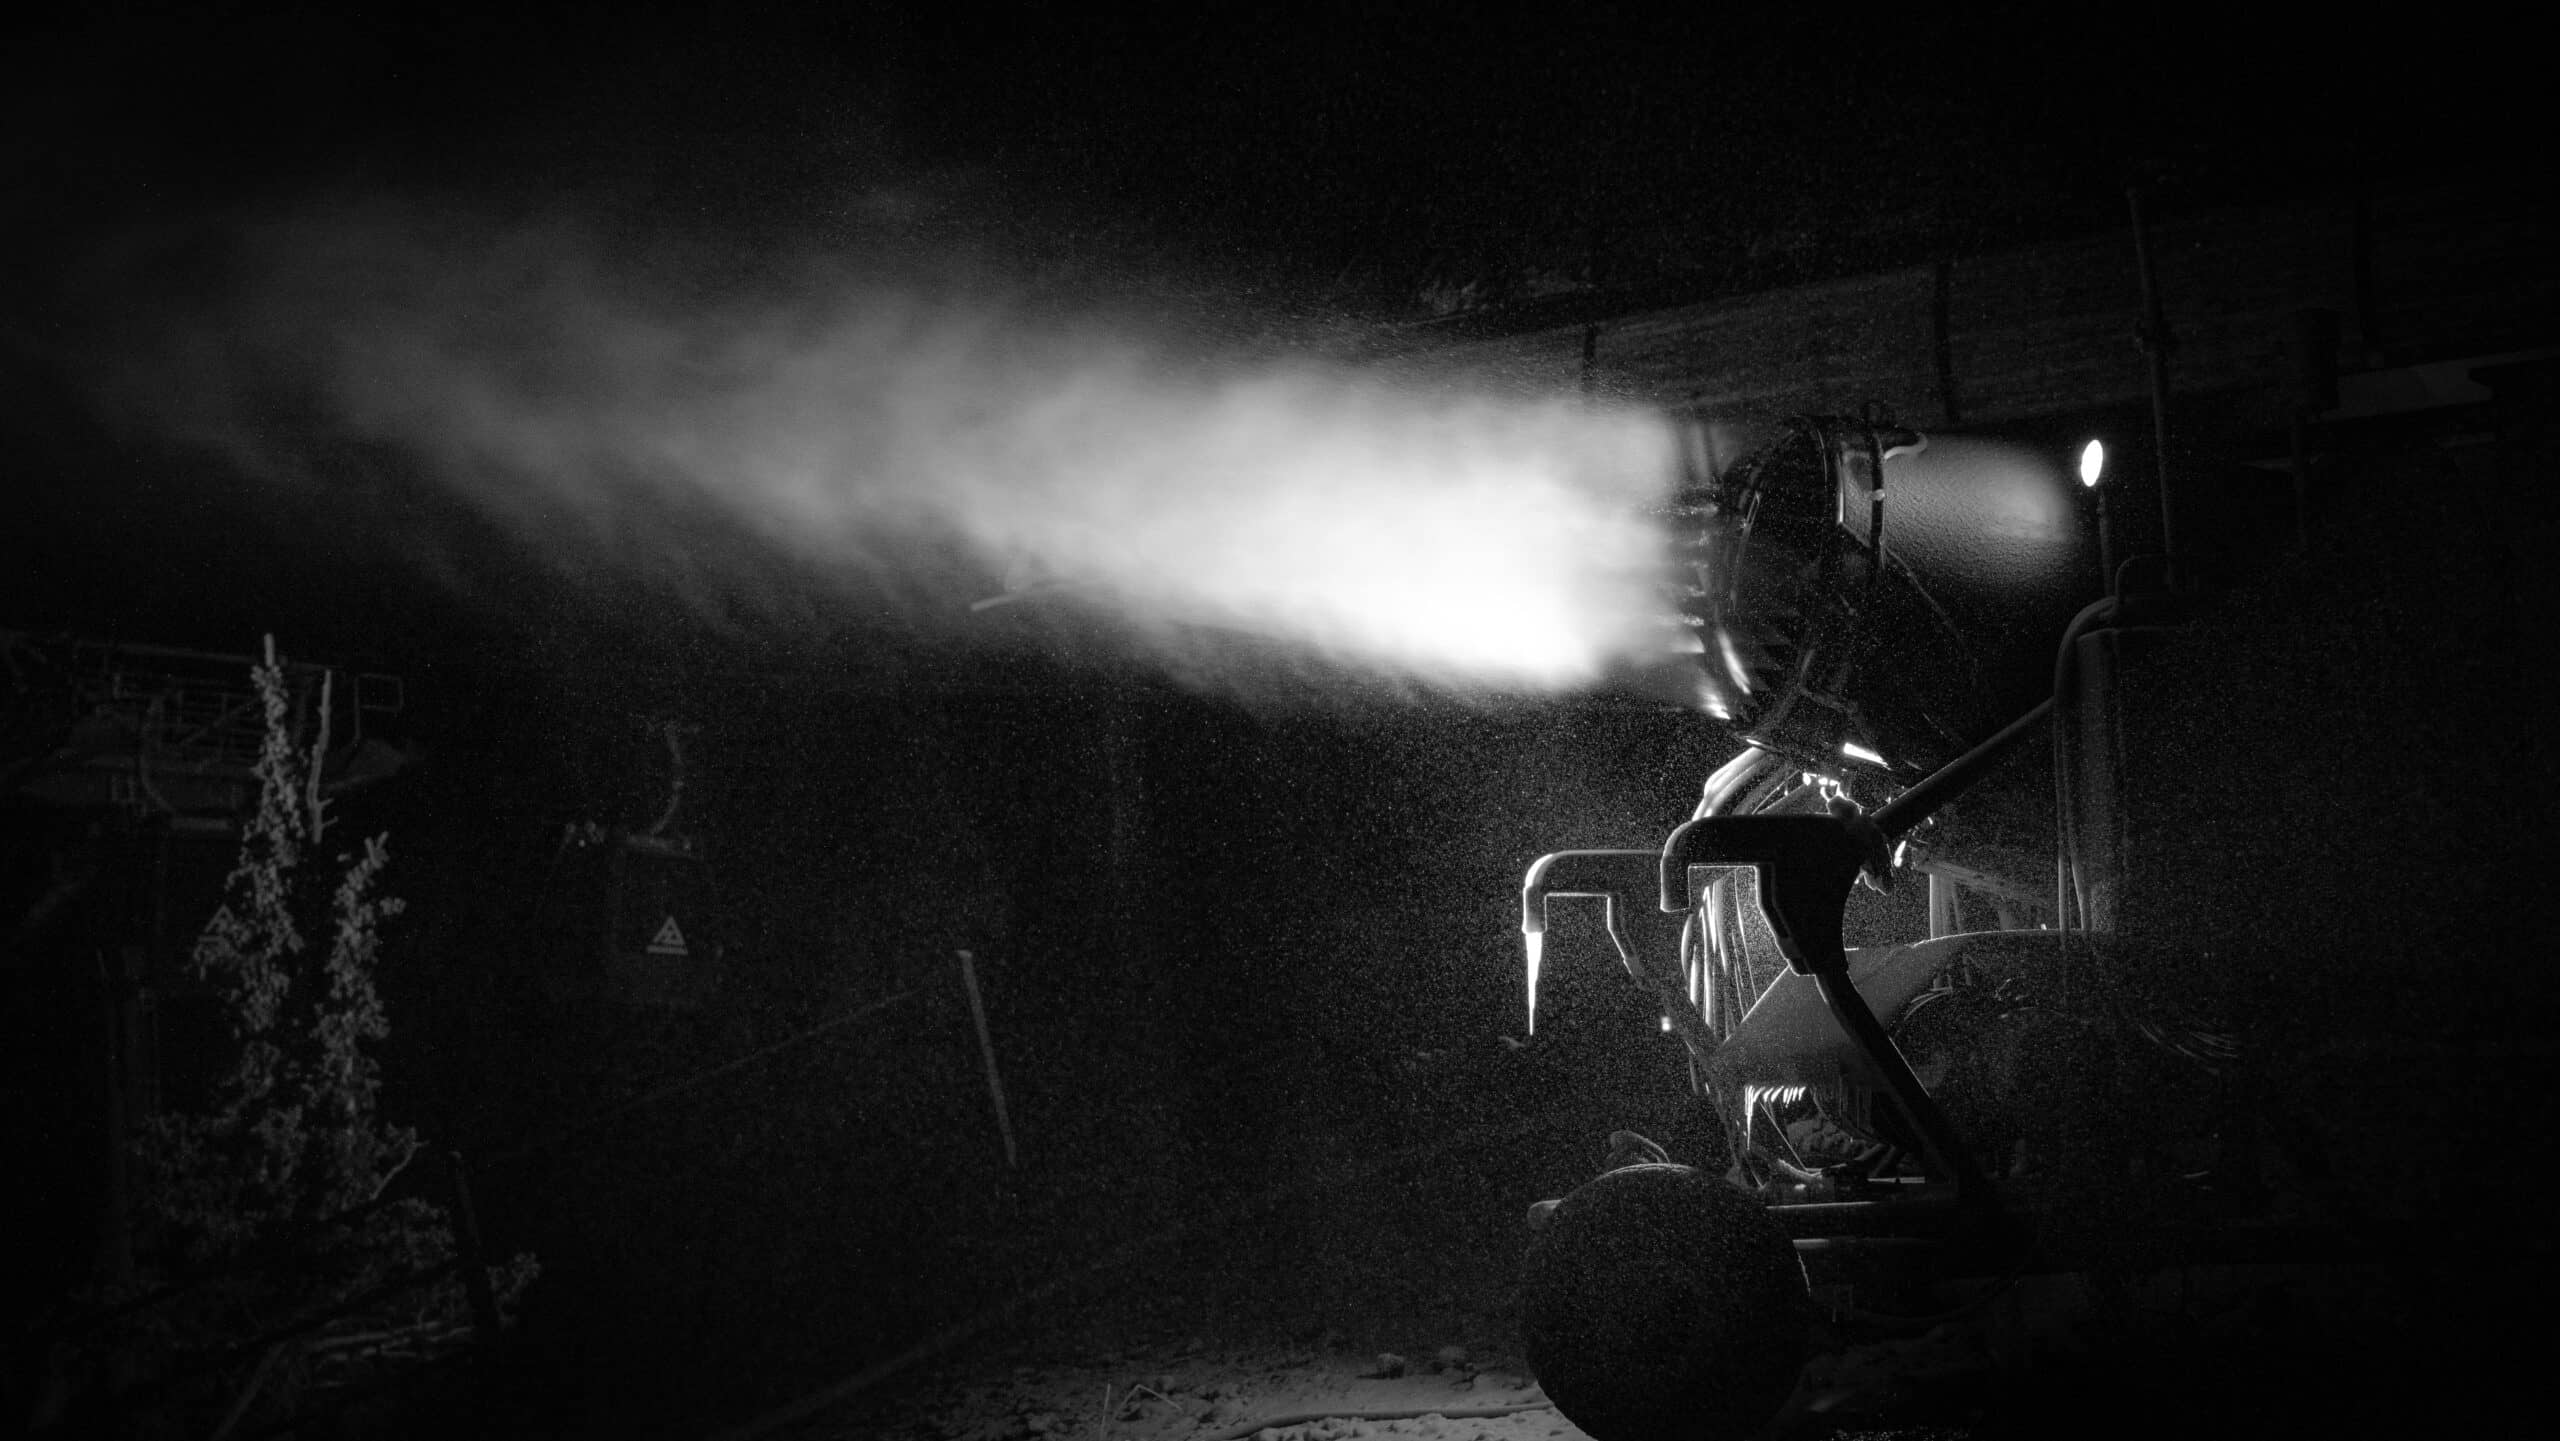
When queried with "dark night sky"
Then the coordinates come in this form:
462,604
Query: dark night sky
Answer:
1378,133
1291,161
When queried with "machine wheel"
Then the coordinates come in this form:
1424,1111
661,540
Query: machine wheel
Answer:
1659,1303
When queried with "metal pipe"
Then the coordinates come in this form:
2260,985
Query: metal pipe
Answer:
2156,342
1731,779
1606,874
1953,779
1610,876
2106,543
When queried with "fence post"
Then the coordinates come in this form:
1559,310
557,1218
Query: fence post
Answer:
987,1053
475,1265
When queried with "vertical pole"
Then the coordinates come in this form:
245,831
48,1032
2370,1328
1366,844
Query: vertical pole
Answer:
475,1261
2106,545
1942,906
2153,335
987,1053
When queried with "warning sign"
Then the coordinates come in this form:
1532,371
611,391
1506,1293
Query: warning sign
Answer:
669,941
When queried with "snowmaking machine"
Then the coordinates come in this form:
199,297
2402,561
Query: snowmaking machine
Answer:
1933,681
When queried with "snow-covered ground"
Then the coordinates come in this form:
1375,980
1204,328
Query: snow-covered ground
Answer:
1359,1284
1354,1304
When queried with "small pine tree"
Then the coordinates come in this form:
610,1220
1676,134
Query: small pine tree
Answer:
293,1136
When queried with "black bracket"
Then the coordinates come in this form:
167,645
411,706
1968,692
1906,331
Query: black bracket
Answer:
1806,866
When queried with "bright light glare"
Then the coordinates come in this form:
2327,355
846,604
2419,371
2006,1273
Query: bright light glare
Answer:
1857,752
930,433
2093,461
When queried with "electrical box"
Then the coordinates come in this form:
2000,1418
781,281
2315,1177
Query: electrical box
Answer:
659,945
629,919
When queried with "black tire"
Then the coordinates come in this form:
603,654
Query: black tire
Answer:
1659,1303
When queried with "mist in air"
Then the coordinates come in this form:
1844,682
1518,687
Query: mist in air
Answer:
925,424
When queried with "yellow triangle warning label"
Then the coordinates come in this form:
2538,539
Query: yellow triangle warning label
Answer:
669,941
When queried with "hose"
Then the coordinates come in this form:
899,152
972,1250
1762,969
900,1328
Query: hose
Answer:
2208,1050
1242,1429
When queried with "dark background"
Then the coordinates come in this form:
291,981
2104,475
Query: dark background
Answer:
1206,926
1379,140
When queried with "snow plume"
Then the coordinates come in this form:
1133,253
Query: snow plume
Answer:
931,426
